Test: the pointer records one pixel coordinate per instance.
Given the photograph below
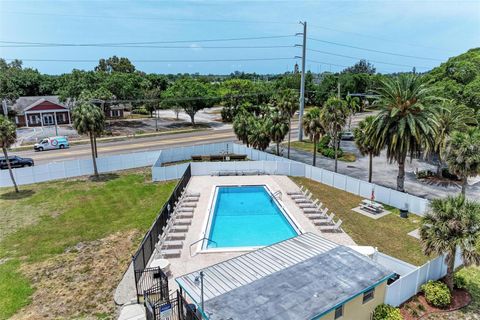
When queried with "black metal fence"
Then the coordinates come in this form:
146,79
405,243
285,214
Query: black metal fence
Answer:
147,247
152,282
173,309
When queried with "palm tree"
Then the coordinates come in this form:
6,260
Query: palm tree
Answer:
452,223
259,133
89,119
278,128
333,116
450,117
363,140
406,121
462,154
8,135
288,104
241,124
312,125
353,106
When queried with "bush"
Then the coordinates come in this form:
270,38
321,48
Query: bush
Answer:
386,312
140,110
330,152
437,294
459,281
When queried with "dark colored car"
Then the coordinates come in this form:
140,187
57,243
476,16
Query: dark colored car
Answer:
15,162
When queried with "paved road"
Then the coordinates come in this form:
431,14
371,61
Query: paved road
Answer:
131,145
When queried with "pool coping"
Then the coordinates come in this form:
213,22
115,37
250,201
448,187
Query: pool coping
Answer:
202,249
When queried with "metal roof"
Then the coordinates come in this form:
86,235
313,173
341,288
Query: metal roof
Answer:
249,267
298,278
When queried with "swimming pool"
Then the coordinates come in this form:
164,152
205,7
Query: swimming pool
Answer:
247,216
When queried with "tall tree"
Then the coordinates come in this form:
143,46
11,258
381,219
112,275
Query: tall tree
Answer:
450,117
363,140
313,127
362,66
8,135
259,133
406,120
462,154
353,106
278,127
89,119
452,223
241,125
288,104
333,116
190,94
115,64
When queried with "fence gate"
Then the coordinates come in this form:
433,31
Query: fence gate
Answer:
176,308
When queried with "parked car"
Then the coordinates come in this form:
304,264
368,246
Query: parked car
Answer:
15,162
51,143
347,135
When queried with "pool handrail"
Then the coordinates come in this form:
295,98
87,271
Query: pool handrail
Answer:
195,242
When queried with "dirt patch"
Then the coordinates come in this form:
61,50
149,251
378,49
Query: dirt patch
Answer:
80,282
418,308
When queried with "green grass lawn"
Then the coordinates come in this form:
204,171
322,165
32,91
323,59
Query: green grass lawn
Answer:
307,146
388,233
46,219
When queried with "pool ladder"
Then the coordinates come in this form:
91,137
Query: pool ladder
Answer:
195,242
277,194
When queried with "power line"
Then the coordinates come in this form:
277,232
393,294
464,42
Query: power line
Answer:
358,58
151,46
144,43
373,50
148,61
377,37
153,18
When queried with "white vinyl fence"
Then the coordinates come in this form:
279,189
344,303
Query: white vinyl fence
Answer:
75,168
409,284
272,164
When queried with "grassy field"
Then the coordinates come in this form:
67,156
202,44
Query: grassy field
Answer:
72,239
308,147
389,234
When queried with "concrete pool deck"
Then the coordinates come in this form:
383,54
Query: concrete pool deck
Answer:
205,186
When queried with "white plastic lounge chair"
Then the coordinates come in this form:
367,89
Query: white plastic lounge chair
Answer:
184,215
182,209
307,205
182,222
170,253
334,228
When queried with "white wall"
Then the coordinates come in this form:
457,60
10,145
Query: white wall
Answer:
75,168
409,284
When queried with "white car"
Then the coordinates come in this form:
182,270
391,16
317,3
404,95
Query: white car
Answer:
51,143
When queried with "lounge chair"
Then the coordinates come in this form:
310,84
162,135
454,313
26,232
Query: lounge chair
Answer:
334,228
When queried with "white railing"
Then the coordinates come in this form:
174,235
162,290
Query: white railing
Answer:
272,164
75,168
409,284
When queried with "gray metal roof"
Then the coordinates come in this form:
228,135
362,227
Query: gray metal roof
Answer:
24,102
299,278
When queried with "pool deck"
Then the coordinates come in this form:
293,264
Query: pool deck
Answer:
205,185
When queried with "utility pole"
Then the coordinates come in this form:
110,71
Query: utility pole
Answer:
338,89
302,82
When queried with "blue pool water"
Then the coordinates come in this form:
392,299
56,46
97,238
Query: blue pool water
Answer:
247,216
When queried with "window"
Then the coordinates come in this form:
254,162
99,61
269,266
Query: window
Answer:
368,295
339,312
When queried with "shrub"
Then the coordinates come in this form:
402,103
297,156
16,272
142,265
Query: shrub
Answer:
386,312
437,294
459,281
140,110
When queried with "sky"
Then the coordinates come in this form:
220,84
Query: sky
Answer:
393,35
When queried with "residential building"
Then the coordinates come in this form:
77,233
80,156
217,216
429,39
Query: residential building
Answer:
36,111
